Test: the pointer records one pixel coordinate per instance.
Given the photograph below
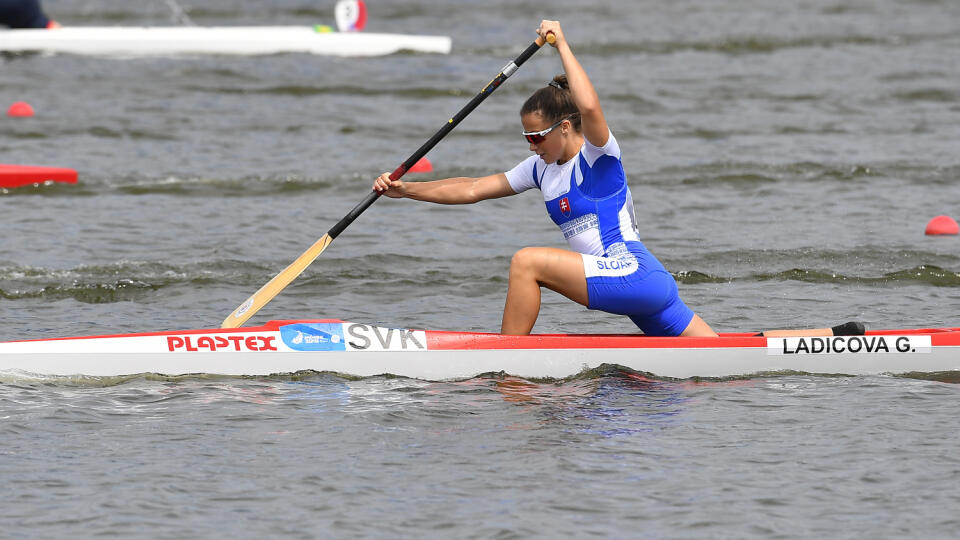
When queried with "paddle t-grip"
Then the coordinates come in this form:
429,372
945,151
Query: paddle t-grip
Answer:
551,39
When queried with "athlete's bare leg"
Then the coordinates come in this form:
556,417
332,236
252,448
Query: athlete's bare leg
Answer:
798,333
534,267
561,271
852,328
698,328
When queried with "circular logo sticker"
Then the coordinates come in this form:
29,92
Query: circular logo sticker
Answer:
244,307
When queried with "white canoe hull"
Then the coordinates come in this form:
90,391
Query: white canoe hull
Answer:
281,347
227,40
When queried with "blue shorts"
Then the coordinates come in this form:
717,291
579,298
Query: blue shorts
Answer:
642,290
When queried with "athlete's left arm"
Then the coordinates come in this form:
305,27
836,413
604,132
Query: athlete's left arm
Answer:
593,123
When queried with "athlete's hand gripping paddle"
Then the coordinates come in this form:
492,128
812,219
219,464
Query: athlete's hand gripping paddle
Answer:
284,278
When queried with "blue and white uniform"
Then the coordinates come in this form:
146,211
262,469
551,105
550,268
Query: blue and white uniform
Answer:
589,199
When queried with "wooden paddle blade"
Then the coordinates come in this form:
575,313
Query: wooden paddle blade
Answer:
275,285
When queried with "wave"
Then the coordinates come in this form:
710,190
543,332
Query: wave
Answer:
96,284
733,173
746,172
345,90
936,95
755,44
99,132
531,390
924,273
137,281
203,186
189,185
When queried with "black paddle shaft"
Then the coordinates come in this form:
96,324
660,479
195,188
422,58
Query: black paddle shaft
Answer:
507,71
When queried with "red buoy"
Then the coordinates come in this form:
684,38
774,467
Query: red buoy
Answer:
423,165
942,225
20,109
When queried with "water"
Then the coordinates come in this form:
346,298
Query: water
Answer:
324,457
784,160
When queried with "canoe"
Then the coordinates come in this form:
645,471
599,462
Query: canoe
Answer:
330,345
23,175
232,40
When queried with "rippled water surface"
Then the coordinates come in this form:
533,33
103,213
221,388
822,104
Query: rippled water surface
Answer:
784,160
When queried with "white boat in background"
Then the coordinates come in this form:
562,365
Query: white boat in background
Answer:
283,347
225,40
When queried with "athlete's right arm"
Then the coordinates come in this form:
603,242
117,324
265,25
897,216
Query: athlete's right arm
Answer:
461,190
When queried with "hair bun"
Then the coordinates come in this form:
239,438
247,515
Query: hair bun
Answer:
560,82
553,102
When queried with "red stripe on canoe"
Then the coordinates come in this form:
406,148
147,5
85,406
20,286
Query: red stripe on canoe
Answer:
452,340
437,340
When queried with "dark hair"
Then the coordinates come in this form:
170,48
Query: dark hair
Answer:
553,102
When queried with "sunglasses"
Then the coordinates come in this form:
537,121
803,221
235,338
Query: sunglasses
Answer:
537,137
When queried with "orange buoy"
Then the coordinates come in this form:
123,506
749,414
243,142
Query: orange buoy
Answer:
942,225
423,165
20,109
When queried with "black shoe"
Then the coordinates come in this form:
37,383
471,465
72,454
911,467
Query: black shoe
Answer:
852,328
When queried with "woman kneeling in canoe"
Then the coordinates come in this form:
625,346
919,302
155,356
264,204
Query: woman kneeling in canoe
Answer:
577,167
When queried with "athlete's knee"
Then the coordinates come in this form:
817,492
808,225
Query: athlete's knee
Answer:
524,261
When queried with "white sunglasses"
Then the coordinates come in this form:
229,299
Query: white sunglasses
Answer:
537,137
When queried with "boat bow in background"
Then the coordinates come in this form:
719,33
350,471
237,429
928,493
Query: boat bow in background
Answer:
12,176
232,40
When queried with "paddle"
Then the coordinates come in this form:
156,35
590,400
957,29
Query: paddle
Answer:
281,280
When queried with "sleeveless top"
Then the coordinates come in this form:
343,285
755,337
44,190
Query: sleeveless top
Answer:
589,199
